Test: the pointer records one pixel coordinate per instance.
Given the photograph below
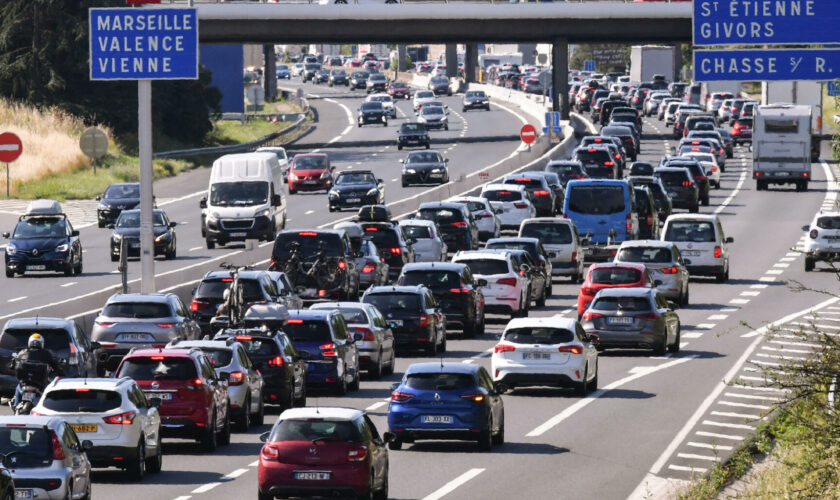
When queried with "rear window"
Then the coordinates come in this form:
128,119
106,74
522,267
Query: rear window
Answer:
514,245
258,348
383,236
436,280
529,183
417,232
828,222
599,171
215,288
563,169
440,381
218,357
539,335
16,339
82,400
673,178
440,215
622,304
502,195
32,446
308,331
487,266
313,429
548,234
615,276
354,315
779,126
645,254
597,200
690,231
748,122
593,155
136,310
158,369
310,243
394,301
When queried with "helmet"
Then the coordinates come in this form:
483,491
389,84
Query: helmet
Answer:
36,341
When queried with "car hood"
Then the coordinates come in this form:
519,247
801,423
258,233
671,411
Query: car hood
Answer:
432,116
361,186
424,166
41,244
123,203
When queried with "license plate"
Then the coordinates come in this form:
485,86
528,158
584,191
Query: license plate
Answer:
672,195
23,493
135,337
28,396
620,320
166,396
395,322
781,174
691,253
312,476
354,200
536,355
437,419
588,251
310,182
84,427
238,235
36,268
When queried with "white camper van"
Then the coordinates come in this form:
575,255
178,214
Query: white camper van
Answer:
243,199
781,145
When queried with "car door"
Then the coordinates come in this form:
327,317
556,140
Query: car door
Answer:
494,398
78,461
383,331
377,448
254,379
87,361
219,392
346,347
150,418
297,366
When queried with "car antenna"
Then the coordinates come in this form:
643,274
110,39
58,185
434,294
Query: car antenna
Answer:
317,409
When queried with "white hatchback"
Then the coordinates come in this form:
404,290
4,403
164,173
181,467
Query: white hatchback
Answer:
422,97
702,243
511,202
428,245
552,351
483,213
507,289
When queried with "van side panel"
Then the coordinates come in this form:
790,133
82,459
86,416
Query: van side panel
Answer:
599,226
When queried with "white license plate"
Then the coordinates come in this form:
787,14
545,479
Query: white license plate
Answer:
536,355
238,235
620,320
437,419
672,195
691,253
354,200
395,322
588,251
28,396
36,268
135,337
310,182
23,493
166,396
781,174
312,476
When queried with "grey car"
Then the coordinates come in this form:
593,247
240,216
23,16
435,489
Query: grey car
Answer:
376,349
46,458
666,266
634,318
140,320
434,117
440,85
476,99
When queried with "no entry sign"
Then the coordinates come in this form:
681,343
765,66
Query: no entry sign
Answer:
10,147
528,134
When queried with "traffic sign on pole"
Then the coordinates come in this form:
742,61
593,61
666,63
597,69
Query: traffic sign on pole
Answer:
754,22
528,134
766,65
10,150
589,65
833,88
94,144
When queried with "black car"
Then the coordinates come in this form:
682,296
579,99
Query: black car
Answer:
116,198
358,80
321,76
566,170
541,194
376,82
338,77
43,240
354,188
476,99
413,134
310,70
440,85
320,264
457,226
661,200
392,246
728,142
681,187
257,288
628,138
424,167
372,112
646,210
76,355
598,162
641,168
697,171
457,293
128,227
281,365
413,315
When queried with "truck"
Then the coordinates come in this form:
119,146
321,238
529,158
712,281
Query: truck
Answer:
781,145
649,60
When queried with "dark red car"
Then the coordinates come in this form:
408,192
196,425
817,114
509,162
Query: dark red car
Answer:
310,172
742,130
194,400
610,275
326,452
399,90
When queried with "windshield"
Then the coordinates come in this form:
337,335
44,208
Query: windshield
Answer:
122,191
29,447
423,157
312,67
82,400
354,179
548,233
475,93
436,280
372,106
394,302
168,368
238,193
309,243
412,127
615,276
55,340
539,335
690,231
308,331
417,232
132,219
672,178
439,381
597,200
593,155
631,304
501,195
564,168
440,215
314,429
40,227
431,110
377,77
338,72
655,255
424,94
487,266
310,162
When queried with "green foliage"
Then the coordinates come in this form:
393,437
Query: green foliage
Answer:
584,52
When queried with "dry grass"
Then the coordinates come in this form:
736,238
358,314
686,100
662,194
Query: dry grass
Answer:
50,140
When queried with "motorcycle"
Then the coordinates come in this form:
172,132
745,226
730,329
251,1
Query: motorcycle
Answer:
33,378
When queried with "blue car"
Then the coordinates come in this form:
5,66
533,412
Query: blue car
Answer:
43,240
604,211
283,72
447,401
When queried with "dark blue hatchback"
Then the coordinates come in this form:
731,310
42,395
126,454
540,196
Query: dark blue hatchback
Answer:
43,240
446,401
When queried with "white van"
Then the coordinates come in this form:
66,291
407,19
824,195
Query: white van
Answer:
243,199
701,242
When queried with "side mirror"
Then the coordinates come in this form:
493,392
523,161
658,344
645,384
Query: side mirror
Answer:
804,228
657,282
97,198
94,345
332,168
380,181
224,376
525,268
389,437
402,160
264,436
687,262
730,239
276,200
74,233
446,160
155,402
395,386
357,337
6,235
109,226
87,444
481,282
672,305
172,223
500,387
202,203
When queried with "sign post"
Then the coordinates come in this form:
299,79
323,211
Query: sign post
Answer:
528,134
94,144
10,150
144,45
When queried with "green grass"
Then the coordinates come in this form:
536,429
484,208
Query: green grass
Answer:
226,132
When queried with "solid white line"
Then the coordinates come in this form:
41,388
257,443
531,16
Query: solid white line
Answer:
309,212
734,193
254,463
454,484
751,396
69,284
686,469
205,488
193,249
236,473
708,446
181,198
18,299
376,405
763,330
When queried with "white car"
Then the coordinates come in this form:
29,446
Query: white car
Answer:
560,239
507,288
428,245
823,240
511,202
246,385
387,103
671,112
710,166
552,351
483,213
296,69
282,159
723,112
113,414
702,243
422,97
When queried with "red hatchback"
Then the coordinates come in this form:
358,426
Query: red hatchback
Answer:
610,275
399,90
742,130
323,452
194,400
310,172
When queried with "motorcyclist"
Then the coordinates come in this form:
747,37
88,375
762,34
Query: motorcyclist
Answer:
34,353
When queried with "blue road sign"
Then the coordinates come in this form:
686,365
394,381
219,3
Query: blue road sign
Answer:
759,22
833,88
552,119
589,65
143,44
766,65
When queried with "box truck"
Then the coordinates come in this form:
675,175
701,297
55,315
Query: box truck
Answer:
649,60
781,145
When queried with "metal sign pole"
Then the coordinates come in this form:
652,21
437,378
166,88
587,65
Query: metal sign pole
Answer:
8,175
144,135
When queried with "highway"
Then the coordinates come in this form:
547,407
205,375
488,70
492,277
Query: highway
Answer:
654,418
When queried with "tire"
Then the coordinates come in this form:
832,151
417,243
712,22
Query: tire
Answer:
549,291
137,468
675,347
224,438
499,438
717,184
10,274
723,277
593,384
659,350
706,201
684,301
210,244
258,418
399,147
243,424
442,348
376,372
541,301
70,270
341,386
428,145
446,127
114,258
354,385
809,265
78,269
396,444
694,209
382,494
392,364
292,191
154,464
264,496
101,224
430,349
582,387
301,401
523,310
208,439
485,438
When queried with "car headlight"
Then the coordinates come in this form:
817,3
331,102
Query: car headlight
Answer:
292,176
325,174
373,192
116,237
333,193
10,249
443,119
162,238
263,213
436,170
102,206
410,171
213,216
62,248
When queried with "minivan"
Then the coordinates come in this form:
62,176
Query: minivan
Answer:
243,199
604,210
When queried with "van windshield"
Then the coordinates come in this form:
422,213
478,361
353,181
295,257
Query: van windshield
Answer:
597,200
242,194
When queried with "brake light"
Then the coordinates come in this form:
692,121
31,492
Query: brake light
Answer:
270,452
166,325
669,270
507,281
307,233
227,280
157,358
701,177
342,264
617,156
574,349
369,267
718,252
295,322
687,183
591,150
197,305
195,383
58,451
424,320
503,348
236,378
542,192
126,418
401,396
459,224
276,361
371,229
106,325
475,397
243,338
609,163
327,350
520,205
356,454
590,315
458,290
367,333
650,316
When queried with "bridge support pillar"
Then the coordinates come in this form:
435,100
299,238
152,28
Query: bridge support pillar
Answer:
401,52
470,63
451,60
270,73
560,76
677,63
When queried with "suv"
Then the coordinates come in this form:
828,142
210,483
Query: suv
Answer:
413,134
43,240
114,415
257,288
541,194
457,227
701,239
116,198
319,263
697,172
457,293
391,245
413,315
506,290
682,190
424,167
823,241
372,112
140,320
597,161
376,82
62,337
194,400
566,170
559,237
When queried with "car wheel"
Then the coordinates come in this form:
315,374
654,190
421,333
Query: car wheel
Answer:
430,349
70,270
208,439
292,191
684,302
582,387
78,269
244,422
659,349
210,244
485,438
154,464
809,265
593,384
224,438
525,305
341,385
675,347
499,438
376,371
301,401
395,444
264,496
723,276
9,273
446,127
354,385
137,468
428,145
382,493
391,364
694,209
259,417
399,147
706,201
541,301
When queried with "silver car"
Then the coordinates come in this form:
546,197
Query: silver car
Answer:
428,245
373,270
376,349
286,292
141,320
46,458
434,117
485,216
666,266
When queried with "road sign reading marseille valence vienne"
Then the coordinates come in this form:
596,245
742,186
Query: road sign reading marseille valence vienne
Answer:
143,44
766,65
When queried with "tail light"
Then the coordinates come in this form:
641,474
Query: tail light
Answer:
813,234
356,454
458,290
322,293
270,452
650,316
342,264
650,220
236,378
669,270
197,305
195,384
58,451
574,256
327,350
401,396
503,348
126,418
367,333
718,252
507,281
474,397
396,250
687,183
587,316
609,163
585,290
424,320
166,325
617,156
541,192
106,325
574,349
459,224
369,267
520,205
276,361
701,177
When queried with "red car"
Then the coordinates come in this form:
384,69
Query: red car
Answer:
399,90
742,130
325,452
310,172
610,275
194,400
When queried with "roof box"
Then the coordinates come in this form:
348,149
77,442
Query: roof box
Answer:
374,213
44,207
271,315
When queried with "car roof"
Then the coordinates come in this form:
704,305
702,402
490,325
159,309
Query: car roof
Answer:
215,344
396,289
601,265
635,291
331,413
646,243
441,204
43,207
336,305
514,239
433,266
544,220
690,217
105,383
504,187
441,367
169,353
139,297
37,322
226,274
309,314
671,169
547,321
417,222
480,254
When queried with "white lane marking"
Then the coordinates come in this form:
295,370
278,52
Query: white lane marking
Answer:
759,286
376,405
205,488
254,463
683,468
792,254
733,437
726,425
346,111
454,484
69,284
767,278
750,294
709,446
691,335
181,198
787,259
718,316
694,456
743,405
734,193
236,473
185,497
18,299
193,249
739,301
706,326
735,415
571,410
309,212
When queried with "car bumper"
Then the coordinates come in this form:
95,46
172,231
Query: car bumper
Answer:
407,422
358,201
412,141
222,230
713,270
277,479
563,268
600,253
476,105
134,248
111,456
51,261
423,178
562,375
365,120
315,185
456,242
321,373
435,125
632,339
49,484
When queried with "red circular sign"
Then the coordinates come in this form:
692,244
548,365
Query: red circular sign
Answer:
10,147
528,134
